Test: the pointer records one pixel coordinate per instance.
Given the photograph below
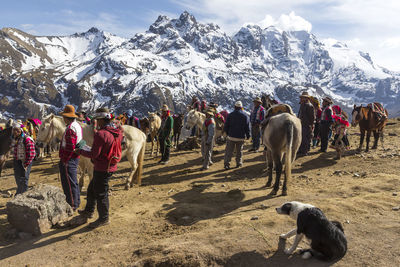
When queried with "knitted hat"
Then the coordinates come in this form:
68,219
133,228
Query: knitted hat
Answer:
103,113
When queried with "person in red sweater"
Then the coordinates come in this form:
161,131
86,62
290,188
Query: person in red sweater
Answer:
24,153
68,159
97,191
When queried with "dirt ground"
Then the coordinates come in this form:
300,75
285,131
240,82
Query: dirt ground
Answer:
182,216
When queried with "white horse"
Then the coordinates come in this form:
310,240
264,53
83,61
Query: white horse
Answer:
282,138
54,126
154,127
196,118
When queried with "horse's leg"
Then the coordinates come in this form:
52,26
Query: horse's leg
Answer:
278,168
132,158
270,166
367,141
362,132
376,138
152,144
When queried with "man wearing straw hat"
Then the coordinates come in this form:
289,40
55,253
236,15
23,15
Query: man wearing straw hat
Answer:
165,135
326,122
207,140
24,153
256,117
69,160
307,118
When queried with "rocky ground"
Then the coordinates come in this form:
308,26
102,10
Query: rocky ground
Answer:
182,216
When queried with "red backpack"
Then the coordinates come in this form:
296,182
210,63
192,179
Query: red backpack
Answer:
115,152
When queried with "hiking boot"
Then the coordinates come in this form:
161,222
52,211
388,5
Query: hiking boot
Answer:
239,165
99,223
164,162
204,168
226,167
86,213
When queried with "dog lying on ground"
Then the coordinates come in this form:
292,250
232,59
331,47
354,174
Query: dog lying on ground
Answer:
328,242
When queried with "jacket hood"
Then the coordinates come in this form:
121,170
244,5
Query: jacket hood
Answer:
113,130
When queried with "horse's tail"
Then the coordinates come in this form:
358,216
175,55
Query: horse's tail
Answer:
139,171
289,143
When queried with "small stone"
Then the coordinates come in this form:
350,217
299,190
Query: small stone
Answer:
303,176
170,191
394,194
338,172
264,207
356,175
254,218
392,134
223,185
347,221
140,193
396,208
363,174
10,194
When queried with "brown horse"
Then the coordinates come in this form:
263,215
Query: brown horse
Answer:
368,121
178,124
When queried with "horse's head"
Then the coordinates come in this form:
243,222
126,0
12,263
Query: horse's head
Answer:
356,115
45,130
191,119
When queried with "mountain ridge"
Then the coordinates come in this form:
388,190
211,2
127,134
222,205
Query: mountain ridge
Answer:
176,59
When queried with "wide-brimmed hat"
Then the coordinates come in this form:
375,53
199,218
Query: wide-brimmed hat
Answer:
102,113
69,112
238,104
258,100
305,94
164,108
327,99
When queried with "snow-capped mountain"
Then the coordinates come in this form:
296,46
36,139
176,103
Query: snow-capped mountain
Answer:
178,58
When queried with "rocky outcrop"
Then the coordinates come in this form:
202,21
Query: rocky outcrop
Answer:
38,209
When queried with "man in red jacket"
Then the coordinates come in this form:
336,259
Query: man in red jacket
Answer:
97,191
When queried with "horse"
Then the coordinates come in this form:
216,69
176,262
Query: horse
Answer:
178,124
196,118
365,118
154,128
267,102
54,126
282,139
5,143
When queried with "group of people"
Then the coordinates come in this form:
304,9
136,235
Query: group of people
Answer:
317,123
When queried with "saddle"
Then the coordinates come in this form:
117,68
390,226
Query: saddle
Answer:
378,110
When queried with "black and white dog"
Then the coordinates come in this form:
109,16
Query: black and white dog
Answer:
327,237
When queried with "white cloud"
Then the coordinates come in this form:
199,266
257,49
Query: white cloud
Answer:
290,22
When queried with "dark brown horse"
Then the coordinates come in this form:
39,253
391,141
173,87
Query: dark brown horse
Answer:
178,124
5,145
369,122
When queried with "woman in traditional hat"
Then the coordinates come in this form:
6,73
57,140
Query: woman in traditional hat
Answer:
24,153
69,160
207,141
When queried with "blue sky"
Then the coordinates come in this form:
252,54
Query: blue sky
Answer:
368,25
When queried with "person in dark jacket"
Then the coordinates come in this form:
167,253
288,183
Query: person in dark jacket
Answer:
307,118
237,128
165,134
97,192
326,122
256,117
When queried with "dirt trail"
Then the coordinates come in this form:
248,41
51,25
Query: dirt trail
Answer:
184,217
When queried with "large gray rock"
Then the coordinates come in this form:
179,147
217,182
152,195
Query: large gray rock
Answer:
38,209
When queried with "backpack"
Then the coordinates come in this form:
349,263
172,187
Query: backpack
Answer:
115,152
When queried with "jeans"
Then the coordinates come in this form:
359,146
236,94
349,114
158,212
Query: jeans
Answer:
21,176
97,192
69,182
